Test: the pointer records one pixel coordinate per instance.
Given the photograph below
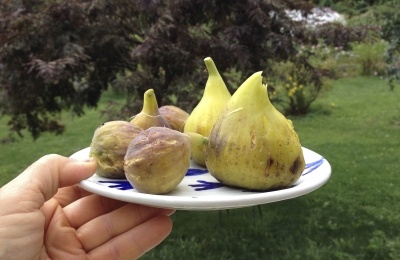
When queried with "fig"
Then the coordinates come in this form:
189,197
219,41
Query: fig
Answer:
150,115
203,116
108,147
252,145
158,158
175,116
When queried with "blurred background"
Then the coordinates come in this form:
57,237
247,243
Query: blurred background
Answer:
332,67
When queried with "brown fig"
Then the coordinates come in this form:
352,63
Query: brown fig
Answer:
176,116
158,158
109,144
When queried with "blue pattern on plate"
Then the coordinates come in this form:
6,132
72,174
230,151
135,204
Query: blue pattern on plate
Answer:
119,185
196,172
201,184
314,165
206,185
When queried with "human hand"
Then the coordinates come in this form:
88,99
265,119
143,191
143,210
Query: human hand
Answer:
45,215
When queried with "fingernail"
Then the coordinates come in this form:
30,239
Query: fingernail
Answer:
172,211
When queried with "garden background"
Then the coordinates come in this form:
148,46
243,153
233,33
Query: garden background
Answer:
349,113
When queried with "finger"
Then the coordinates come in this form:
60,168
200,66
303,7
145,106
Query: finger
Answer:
55,171
90,207
101,229
40,181
67,195
136,241
59,241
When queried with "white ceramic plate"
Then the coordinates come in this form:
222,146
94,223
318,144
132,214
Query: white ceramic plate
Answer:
200,191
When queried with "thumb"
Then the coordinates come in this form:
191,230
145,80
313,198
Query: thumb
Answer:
40,181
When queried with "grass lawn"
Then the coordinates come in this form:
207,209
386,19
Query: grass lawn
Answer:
355,215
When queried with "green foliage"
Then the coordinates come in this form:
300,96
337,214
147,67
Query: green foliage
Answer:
61,55
298,83
370,57
323,56
391,33
337,34
354,7
373,16
179,37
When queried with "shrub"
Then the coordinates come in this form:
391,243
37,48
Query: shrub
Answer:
335,59
337,34
298,82
391,33
370,57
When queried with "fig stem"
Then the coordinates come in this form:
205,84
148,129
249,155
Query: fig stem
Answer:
197,139
211,68
150,106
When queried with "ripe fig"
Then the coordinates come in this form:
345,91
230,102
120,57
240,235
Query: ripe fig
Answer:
252,145
207,111
149,116
175,116
158,158
109,144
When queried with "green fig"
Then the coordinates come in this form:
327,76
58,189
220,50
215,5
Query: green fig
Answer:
252,145
158,158
109,144
175,116
150,115
207,111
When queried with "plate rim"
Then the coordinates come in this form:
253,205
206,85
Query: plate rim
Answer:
208,202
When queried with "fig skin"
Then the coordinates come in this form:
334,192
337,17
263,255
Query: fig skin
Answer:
204,115
175,116
157,160
150,115
252,145
109,144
